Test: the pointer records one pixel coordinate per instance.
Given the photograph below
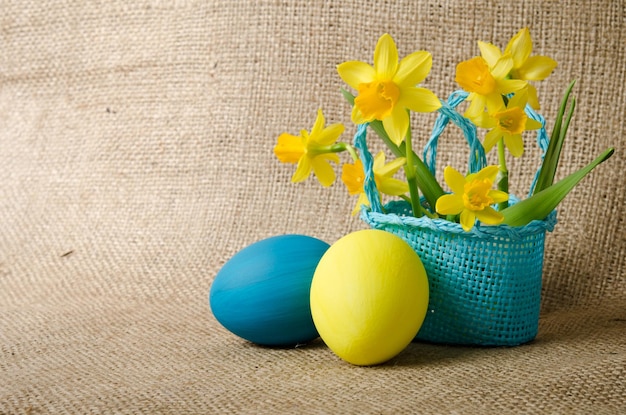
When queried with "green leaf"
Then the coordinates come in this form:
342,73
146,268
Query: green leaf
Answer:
348,96
553,152
426,182
539,205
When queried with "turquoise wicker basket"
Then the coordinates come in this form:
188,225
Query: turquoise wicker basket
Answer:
485,285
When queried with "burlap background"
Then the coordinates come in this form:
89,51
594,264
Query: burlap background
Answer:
136,157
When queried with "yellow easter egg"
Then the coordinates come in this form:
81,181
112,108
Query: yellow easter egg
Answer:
369,296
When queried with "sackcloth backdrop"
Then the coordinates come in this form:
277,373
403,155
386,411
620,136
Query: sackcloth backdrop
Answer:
136,158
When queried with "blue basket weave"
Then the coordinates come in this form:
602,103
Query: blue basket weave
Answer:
485,284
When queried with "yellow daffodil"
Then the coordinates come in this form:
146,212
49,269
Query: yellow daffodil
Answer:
486,84
472,197
508,123
525,67
312,151
388,89
353,177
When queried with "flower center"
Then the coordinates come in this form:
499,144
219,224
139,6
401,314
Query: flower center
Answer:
476,195
474,76
376,99
512,120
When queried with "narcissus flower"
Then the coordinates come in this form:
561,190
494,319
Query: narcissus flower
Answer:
353,177
472,197
312,151
525,67
508,123
387,89
486,84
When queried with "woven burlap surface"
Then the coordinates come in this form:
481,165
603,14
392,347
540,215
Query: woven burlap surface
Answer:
136,158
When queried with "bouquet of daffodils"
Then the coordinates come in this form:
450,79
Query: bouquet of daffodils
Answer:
502,101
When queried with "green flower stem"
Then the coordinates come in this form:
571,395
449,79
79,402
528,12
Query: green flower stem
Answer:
427,213
424,210
341,146
338,148
409,171
352,152
503,174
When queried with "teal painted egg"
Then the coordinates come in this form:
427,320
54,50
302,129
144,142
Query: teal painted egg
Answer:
262,293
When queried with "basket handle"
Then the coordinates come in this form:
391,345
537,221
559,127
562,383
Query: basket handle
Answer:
369,183
477,159
447,113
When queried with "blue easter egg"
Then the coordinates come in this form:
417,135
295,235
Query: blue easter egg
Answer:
262,293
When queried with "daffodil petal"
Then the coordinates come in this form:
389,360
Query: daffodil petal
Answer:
532,124
357,116
502,67
362,200
490,52
449,204
494,103
507,86
390,168
467,220
487,173
355,73
413,68
520,47
397,124
302,171
379,161
533,101
329,134
319,124
454,180
334,157
393,187
536,68
491,138
489,216
476,106
519,99
385,58
515,144
419,100
484,120
498,196
323,171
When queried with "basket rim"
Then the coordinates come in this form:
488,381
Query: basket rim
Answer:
479,231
